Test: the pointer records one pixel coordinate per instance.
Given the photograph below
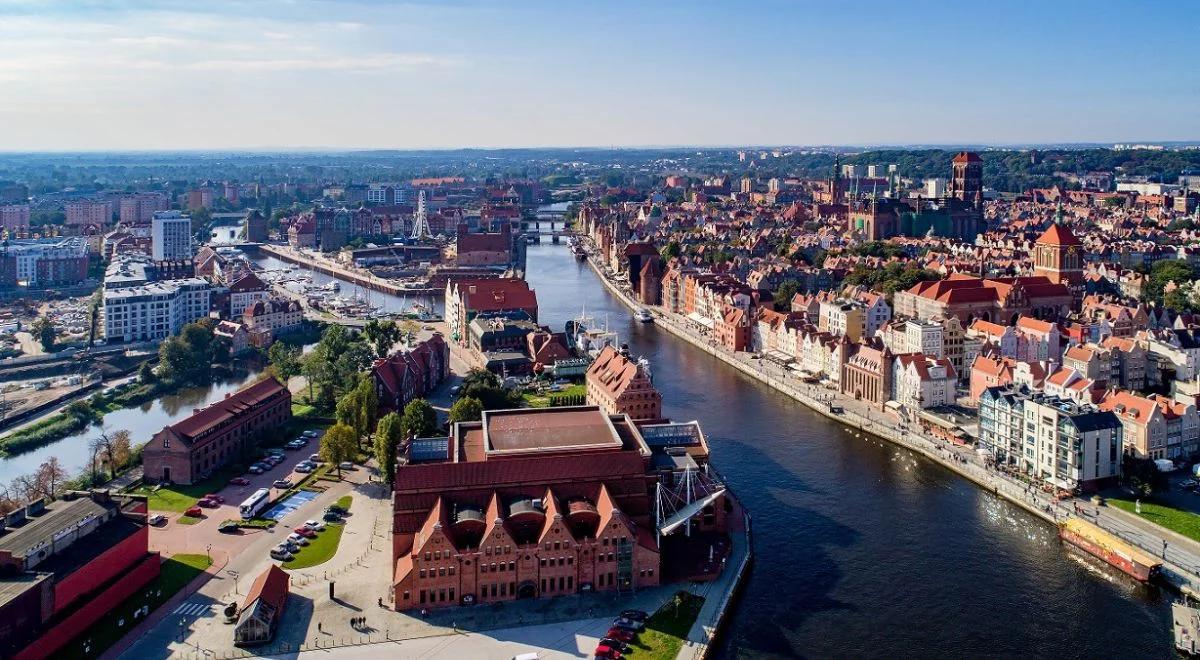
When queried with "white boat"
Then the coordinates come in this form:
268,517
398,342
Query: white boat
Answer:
643,316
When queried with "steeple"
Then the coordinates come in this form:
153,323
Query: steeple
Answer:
1058,212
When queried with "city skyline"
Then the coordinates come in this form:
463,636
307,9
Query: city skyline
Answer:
354,75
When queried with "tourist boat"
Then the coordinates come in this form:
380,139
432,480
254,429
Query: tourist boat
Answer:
586,338
332,286
578,250
643,316
1135,563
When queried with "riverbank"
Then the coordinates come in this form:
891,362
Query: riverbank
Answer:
367,281
1181,567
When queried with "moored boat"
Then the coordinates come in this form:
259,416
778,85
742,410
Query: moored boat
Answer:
1135,563
643,316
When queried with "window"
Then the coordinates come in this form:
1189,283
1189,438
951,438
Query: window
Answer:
422,592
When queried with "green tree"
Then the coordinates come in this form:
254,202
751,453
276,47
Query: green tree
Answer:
339,444
368,401
381,335
419,419
146,372
466,409
285,359
1163,272
784,294
671,250
44,332
388,435
349,412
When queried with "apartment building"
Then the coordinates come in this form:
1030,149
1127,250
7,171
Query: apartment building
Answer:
14,217
156,310
170,236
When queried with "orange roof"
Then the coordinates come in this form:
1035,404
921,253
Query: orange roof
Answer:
1058,235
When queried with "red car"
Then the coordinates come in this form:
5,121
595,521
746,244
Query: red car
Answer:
621,635
305,532
194,512
607,652
239,481
214,497
207,503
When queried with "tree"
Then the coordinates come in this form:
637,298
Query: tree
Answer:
388,435
146,372
95,447
122,451
670,251
285,359
51,474
339,444
368,402
466,409
44,332
348,412
484,386
784,294
381,335
1142,476
419,419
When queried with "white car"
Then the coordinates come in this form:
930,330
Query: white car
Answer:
297,539
315,525
281,553
310,434
157,519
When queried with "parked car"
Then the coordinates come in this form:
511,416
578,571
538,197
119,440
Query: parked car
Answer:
455,389
255,469
207,503
315,459
228,527
621,634
214,497
303,467
346,465
295,444
311,433
305,532
635,615
239,481
282,483
281,554
275,451
315,525
157,520
297,539
290,546
616,644
607,653
628,624
194,512
332,516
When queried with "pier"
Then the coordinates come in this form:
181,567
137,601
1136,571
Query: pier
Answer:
366,281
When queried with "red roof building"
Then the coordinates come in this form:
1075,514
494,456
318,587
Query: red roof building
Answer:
411,373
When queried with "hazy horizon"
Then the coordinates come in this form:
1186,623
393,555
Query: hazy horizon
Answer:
356,75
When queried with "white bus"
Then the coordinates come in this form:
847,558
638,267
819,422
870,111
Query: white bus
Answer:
255,503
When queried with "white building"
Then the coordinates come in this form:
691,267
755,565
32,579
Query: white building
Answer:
171,236
922,381
156,310
915,336
935,188
1059,442
71,255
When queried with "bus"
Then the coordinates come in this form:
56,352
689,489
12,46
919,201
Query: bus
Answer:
255,503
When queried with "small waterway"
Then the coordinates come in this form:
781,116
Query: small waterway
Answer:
142,422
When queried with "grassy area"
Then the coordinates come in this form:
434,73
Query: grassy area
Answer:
177,497
667,628
1181,522
322,548
256,523
542,400
175,574
188,520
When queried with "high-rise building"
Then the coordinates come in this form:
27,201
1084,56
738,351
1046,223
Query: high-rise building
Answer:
171,236
14,217
86,212
156,310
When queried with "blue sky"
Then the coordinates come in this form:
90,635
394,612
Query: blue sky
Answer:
113,74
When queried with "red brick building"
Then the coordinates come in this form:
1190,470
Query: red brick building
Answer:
191,449
411,373
535,502
65,564
621,386
732,330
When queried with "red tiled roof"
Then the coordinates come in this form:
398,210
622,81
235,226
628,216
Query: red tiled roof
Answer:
232,406
271,586
1058,234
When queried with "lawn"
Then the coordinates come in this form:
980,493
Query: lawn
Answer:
667,628
175,574
1181,522
188,520
542,400
177,497
322,548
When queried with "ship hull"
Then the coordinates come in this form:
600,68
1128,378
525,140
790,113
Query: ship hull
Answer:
1133,569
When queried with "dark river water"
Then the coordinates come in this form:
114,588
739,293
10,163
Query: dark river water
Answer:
864,549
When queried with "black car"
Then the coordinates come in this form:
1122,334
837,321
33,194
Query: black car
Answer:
331,516
615,644
635,615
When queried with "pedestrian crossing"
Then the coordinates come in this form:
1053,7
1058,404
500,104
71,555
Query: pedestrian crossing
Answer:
193,609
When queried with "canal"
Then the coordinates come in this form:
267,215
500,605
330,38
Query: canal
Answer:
864,549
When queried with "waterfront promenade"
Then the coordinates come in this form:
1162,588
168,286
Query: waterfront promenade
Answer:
1181,555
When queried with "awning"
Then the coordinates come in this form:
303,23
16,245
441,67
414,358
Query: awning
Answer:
704,321
939,421
778,356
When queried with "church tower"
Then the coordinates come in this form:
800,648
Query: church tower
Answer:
1058,254
966,184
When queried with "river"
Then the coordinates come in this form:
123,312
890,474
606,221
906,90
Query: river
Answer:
141,421
864,549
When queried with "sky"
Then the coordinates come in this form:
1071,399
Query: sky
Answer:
261,74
